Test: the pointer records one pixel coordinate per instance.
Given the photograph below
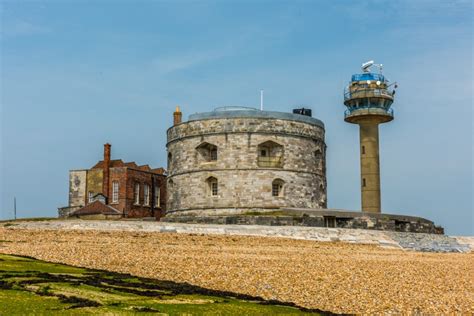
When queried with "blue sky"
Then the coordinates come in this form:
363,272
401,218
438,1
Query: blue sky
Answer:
77,74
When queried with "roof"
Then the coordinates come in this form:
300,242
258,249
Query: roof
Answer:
118,163
96,207
254,113
113,164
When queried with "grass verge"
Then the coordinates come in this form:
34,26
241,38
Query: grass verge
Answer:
29,286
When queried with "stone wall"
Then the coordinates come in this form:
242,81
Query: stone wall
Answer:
77,187
242,181
324,218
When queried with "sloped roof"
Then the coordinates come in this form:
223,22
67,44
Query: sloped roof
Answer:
158,170
113,164
116,163
96,207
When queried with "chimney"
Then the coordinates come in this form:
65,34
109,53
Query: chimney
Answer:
177,116
106,170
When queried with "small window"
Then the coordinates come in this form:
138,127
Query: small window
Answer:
277,187
115,191
318,154
207,151
213,154
213,186
157,196
90,196
214,189
170,161
146,195
363,182
363,150
136,194
270,155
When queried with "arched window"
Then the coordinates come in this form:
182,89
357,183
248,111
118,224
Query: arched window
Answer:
277,187
213,186
207,151
270,155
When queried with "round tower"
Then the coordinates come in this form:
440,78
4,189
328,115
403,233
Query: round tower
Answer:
368,99
234,160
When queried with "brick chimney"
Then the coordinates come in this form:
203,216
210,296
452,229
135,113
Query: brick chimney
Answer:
177,116
106,170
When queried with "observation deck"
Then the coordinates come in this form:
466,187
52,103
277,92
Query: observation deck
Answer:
368,96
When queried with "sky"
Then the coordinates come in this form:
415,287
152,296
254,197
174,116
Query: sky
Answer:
77,74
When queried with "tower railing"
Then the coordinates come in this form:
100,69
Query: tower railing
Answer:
370,110
367,93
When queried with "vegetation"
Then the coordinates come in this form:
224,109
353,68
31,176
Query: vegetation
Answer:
29,286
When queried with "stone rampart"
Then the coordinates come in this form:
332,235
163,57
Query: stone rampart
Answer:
251,155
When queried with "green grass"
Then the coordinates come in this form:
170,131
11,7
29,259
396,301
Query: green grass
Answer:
33,287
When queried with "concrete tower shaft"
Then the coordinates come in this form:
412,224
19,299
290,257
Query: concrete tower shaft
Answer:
368,99
370,166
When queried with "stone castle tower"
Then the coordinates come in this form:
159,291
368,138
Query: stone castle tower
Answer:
368,99
235,160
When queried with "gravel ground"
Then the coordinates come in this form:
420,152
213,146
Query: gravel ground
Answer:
337,277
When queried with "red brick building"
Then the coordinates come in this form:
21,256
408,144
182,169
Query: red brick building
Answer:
132,190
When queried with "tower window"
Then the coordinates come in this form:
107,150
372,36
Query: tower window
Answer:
213,154
213,186
363,150
270,155
318,154
115,191
214,189
277,187
207,151
170,160
363,182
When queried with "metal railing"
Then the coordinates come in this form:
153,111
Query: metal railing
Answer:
376,110
368,76
367,93
270,162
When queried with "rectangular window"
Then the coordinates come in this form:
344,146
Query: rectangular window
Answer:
115,191
363,150
214,189
90,196
136,194
363,182
146,194
276,188
157,196
213,154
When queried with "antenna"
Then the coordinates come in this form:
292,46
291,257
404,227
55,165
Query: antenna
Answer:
261,100
366,66
14,207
